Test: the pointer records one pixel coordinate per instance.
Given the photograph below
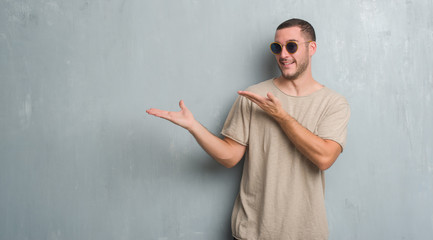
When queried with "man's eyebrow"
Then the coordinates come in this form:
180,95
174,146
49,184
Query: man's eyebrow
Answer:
292,40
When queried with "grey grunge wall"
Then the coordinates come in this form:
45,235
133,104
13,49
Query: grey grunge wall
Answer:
80,158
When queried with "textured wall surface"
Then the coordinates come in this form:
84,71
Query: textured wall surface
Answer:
80,159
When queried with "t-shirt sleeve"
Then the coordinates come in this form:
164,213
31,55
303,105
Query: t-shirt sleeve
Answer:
237,123
333,125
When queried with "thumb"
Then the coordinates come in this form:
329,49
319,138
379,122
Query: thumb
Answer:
182,105
270,96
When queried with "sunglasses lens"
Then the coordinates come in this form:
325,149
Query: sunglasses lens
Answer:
292,47
276,48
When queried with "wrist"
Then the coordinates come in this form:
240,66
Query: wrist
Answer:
283,117
194,127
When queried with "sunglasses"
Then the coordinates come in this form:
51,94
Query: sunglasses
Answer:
291,47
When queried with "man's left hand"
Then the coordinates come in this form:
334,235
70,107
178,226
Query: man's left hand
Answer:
270,104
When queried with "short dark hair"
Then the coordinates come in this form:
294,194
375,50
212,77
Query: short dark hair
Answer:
305,26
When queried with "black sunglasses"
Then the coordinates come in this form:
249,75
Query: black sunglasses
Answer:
291,47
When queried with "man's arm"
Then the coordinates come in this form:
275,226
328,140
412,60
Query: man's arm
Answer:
225,151
321,152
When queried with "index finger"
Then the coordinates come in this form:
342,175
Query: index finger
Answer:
158,113
251,96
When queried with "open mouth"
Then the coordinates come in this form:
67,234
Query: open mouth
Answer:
286,63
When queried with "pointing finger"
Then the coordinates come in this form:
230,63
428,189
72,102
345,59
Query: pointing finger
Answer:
251,96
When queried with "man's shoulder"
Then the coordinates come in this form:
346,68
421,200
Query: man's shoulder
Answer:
333,95
260,87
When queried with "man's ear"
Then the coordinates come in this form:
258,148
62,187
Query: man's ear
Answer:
312,47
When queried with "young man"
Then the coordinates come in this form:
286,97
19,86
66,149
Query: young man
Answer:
291,129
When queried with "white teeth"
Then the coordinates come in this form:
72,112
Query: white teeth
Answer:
287,62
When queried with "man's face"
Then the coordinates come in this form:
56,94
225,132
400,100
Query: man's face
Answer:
292,65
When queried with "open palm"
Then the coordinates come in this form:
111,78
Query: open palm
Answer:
183,118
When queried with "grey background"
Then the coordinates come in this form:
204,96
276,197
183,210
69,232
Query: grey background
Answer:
80,158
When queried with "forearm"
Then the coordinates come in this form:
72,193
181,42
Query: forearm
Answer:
321,152
225,151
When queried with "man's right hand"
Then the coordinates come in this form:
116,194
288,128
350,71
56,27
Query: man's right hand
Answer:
226,151
183,118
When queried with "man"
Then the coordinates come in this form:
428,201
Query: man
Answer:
291,129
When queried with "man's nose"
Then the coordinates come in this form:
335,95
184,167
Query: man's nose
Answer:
284,52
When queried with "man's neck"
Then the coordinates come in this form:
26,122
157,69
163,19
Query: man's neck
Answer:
302,86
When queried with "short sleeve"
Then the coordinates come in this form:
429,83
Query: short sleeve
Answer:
333,125
237,124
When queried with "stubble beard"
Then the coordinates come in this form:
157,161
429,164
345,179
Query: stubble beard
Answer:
301,69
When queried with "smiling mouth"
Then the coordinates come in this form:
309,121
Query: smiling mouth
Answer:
286,63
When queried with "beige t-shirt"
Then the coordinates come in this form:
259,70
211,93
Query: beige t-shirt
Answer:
282,192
